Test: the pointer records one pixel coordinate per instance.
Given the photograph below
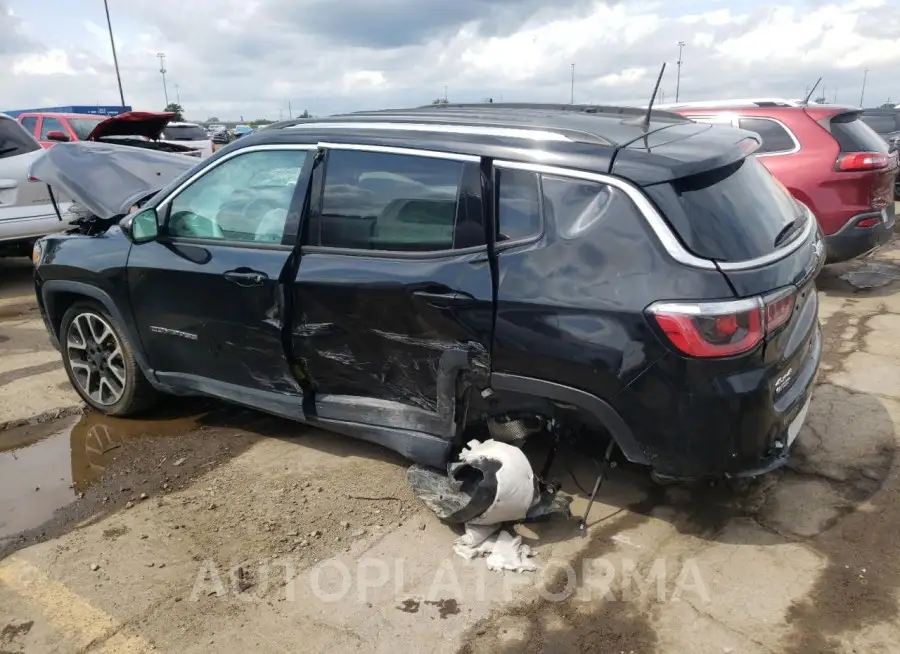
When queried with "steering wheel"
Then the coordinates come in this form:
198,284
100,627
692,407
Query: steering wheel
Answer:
191,225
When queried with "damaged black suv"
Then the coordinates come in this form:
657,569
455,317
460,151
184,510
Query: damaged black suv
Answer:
402,275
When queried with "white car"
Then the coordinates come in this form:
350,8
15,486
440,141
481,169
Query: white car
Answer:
26,210
189,134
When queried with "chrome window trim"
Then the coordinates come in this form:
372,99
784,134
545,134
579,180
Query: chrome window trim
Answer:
778,153
389,149
441,128
164,203
659,226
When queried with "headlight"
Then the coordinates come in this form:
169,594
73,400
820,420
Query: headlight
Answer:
36,251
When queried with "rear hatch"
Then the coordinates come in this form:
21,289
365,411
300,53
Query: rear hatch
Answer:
767,245
866,166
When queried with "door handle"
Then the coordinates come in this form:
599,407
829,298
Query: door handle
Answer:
445,298
6,184
245,277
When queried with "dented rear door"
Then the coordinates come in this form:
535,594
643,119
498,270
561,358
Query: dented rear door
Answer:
393,275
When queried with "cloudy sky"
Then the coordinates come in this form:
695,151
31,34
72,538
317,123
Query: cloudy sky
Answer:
234,58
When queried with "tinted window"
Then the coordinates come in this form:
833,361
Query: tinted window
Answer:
14,140
243,199
853,135
881,123
51,125
184,133
84,126
30,123
775,138
518,204
732,213
375,201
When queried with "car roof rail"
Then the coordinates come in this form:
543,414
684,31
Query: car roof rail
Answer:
733,102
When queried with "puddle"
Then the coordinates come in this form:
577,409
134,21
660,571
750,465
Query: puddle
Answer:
45,467
872,274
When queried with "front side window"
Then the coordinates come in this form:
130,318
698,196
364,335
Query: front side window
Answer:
390,202
244,199
775,138
51,125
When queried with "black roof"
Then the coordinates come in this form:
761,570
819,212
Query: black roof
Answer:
586,137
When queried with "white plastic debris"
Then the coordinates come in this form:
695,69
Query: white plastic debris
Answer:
503,550
515,481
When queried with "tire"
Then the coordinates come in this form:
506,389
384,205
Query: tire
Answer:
99,361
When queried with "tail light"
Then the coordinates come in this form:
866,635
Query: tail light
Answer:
721,329
861,161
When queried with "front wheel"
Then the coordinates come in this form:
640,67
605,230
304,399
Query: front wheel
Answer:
100,362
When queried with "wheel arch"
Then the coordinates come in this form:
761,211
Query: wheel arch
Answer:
59,295
601,410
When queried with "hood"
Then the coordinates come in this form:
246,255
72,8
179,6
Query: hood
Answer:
104,178
149,124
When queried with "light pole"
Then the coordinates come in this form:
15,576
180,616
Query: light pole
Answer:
177,95
572,95
162,71
862,93
112,42
678,74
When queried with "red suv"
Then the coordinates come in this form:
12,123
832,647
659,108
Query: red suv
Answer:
828,158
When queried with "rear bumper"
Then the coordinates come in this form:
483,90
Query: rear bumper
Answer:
726,423
851,241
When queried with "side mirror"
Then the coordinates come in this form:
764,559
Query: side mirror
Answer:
56,135
141,227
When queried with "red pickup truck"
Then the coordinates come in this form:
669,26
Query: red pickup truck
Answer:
50,128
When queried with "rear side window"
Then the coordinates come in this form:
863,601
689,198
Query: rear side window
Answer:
14,140
734,213
30,123
388,202
853,135
518,204
881,123
775,138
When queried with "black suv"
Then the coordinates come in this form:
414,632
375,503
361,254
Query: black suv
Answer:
886,122
402,275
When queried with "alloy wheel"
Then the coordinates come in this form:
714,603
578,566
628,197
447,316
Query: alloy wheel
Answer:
96,358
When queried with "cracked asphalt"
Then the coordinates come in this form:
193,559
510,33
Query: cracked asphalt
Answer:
206,528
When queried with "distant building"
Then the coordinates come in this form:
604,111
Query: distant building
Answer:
94,110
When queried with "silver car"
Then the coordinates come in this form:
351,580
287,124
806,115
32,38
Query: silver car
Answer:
26,210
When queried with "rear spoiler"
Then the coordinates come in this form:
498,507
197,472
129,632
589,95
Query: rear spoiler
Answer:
680,151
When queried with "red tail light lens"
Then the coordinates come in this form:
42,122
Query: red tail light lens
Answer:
721,329
778,307
859,161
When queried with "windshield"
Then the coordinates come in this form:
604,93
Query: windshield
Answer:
84,126
184,133
734,213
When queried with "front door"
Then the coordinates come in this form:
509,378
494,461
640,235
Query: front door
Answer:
393,288
207,296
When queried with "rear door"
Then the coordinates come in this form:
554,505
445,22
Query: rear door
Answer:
207,295
393,287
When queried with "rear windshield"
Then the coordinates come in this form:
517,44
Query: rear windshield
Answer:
185,133
84,126
733,213
853,135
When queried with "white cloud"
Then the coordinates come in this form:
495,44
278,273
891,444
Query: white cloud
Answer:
234,57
